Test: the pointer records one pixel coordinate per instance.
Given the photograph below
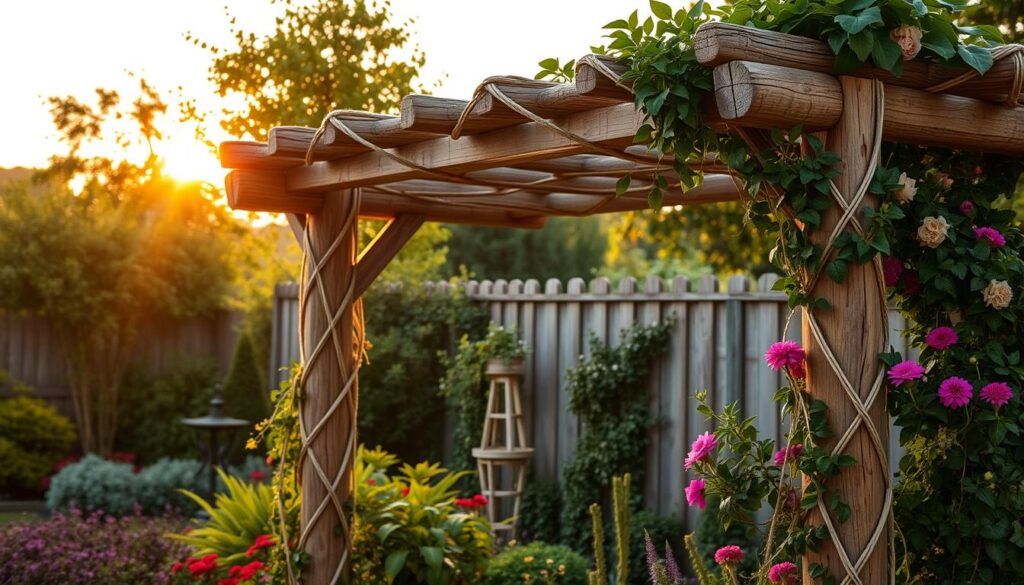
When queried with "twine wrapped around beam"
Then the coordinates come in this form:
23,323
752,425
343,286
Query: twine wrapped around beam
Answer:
1015,52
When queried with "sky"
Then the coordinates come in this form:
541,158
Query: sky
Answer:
50,47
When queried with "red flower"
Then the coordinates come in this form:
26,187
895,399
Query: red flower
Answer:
229,581
270,460
480,499
177,567
200,567
465,503
257,475
246,572
371,481
262,541
405,491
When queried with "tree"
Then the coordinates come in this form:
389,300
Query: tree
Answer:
328,55
1004,13
564,248
131,243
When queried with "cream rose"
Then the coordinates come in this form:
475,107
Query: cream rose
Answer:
997,294
909,40
908,189
933,231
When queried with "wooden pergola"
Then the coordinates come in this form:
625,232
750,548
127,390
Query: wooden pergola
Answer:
524,151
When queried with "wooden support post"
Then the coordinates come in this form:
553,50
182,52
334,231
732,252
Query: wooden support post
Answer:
854,330
329,358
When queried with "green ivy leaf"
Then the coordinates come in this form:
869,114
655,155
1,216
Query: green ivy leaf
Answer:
862,43
854,24
654,198
661,10
622,185
885,52
976,57
394,563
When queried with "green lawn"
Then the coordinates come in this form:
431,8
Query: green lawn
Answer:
7,517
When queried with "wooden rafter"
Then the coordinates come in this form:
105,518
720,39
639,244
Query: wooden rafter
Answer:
388,242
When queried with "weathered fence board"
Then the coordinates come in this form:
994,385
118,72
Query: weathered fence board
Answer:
30,351
719,336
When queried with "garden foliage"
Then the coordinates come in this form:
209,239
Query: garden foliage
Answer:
33,437
608,392
88,549
537,562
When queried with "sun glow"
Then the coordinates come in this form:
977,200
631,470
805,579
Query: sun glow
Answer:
187,159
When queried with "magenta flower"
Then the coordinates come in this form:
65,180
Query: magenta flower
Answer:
995,239
695,494
967,206
784,354
941,338
904,372
892,268
996,393
701,448
791,453
784,572
729,555
955,392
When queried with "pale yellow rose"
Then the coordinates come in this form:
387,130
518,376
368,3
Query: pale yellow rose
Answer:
908,189
909,40
933,231
997,294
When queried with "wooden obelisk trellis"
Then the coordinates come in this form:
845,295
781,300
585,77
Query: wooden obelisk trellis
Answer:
503,453
533,150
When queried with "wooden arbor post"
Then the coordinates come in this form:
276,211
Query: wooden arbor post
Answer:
329,384
850,335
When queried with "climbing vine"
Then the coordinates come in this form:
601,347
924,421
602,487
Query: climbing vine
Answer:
950,248
608,392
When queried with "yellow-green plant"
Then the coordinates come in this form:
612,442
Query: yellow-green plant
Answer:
237,518
599,576
620,518
704,576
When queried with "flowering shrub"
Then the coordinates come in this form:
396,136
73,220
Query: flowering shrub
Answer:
409,524
537,562
88,549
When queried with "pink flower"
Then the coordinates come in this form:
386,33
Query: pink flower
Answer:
955,392
903,372
257,475
967,207
797,371
996,393
891,269
909,40
944,180
784,572
784,354
941,338
700,449
791,453
695,494
993,236
729,555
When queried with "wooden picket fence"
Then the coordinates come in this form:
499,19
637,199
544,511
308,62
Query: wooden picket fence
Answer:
719,336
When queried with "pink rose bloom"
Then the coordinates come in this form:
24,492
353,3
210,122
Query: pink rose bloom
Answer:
695,494
892,268
955,392
904,372
993,236
996,393
967,207
701,448
784,572
784,354
797,371
941,338
909,40
791,453
729,555
944,180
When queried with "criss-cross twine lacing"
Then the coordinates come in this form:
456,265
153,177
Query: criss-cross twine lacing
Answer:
309,430
1015,52
862,405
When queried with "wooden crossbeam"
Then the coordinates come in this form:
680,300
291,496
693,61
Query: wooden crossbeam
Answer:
764,96
718,43
384,246
613,126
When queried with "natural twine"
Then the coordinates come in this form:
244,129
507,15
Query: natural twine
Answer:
1015,52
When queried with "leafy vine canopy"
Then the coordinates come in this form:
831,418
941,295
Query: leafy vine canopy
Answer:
942,226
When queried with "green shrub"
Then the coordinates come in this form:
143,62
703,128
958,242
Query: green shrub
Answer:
33,437
151,409
541,510
711,535
663,529
400,406
237,518
155,488
563,565
245,392
407,525
93,484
